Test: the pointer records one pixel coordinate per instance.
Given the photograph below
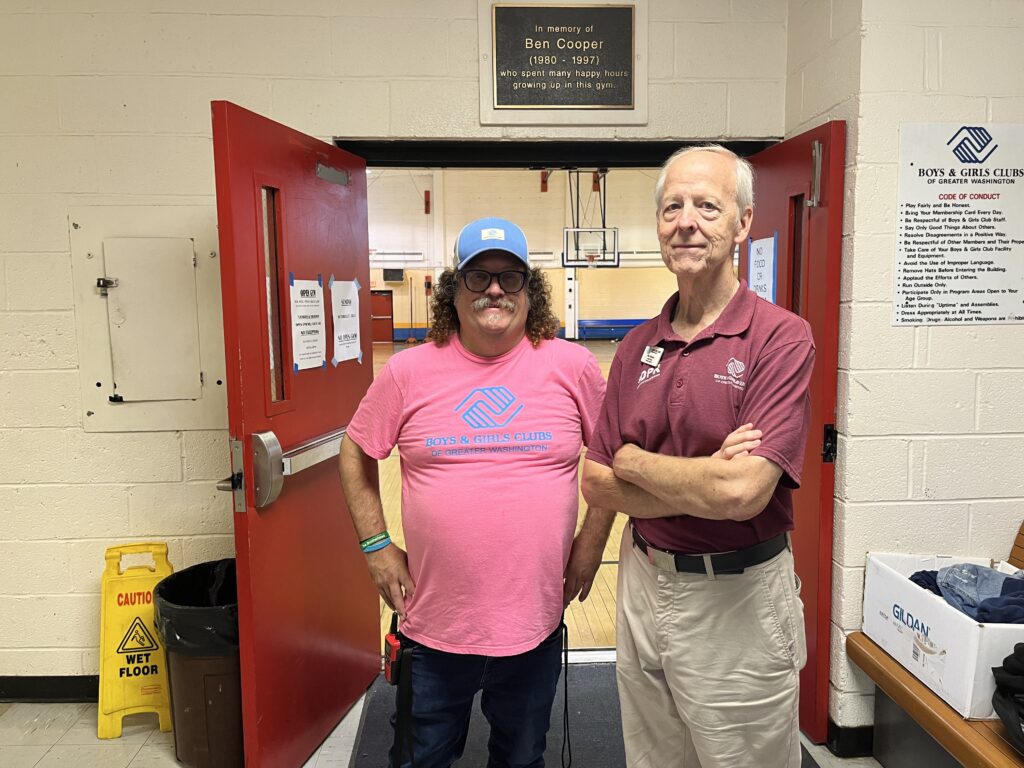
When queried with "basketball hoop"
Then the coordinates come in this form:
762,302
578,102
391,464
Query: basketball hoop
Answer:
591,257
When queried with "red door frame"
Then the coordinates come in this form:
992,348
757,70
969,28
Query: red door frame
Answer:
784,180
308,612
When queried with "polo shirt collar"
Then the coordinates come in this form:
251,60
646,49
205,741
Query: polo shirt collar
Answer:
734,320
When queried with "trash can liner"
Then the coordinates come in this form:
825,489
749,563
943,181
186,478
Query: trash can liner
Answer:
196,610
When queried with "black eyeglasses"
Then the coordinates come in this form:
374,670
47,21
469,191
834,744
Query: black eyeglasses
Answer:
479,280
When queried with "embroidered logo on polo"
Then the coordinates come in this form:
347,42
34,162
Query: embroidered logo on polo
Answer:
489,407
648,374
733,375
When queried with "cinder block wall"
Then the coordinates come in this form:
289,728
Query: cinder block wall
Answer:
930,454
107,104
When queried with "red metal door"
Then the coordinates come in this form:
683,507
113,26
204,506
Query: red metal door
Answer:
799,198
290,206
382,316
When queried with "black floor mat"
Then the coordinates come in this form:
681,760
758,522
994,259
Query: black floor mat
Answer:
594,727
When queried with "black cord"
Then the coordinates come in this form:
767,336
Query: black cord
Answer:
566,741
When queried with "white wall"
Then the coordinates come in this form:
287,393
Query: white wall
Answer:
108,104
931,456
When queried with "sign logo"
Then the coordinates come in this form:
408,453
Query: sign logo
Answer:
492,234
970,142
488,407
137,639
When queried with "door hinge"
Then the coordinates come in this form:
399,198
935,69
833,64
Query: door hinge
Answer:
105,283
830,444
814,200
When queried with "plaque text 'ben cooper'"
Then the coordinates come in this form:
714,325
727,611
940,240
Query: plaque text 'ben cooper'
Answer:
568,57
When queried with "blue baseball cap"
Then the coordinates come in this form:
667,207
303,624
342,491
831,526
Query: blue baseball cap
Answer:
490,234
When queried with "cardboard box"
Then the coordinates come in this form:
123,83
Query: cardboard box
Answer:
942,647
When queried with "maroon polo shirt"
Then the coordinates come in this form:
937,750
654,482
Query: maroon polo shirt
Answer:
752,365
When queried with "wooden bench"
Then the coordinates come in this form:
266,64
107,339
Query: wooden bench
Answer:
974,743
601,329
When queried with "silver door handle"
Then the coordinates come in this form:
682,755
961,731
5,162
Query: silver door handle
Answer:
266,467
271,464
312,453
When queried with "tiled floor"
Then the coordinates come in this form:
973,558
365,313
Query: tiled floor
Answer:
52,735
64,735
826,759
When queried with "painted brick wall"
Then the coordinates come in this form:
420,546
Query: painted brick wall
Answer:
109,104
931,454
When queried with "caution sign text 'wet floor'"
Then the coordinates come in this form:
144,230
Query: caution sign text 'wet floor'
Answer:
133,669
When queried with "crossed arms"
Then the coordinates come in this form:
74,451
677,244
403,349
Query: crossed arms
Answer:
728,485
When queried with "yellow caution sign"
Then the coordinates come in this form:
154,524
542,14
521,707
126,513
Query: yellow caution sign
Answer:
133,669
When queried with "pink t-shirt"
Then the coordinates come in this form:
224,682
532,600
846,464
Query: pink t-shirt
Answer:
490,452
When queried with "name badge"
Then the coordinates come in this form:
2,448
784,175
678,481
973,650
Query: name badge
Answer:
652,355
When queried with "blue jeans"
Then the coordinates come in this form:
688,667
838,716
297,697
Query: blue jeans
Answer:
518,692
965,585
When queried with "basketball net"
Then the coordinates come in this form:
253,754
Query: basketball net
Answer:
591,257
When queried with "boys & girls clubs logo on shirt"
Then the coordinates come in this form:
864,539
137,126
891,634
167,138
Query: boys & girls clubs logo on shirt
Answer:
733,375
489,408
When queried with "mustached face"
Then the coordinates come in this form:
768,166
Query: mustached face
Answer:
485,302
492,319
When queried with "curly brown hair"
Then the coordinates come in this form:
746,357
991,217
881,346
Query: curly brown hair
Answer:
541,322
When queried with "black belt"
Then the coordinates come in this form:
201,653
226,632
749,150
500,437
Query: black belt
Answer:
721,563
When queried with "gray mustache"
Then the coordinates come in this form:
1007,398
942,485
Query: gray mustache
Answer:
484,303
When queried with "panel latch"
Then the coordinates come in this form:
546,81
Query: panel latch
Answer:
830,444
105,283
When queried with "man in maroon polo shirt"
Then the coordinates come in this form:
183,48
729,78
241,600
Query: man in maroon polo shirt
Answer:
710,624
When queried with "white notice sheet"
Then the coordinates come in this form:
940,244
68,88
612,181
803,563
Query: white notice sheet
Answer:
309,345
761,255
960,225
345,308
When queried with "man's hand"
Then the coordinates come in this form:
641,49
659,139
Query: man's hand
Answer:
621,460
740,442
584,559
389,569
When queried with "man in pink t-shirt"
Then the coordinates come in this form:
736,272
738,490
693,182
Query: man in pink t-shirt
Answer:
489,418
709,624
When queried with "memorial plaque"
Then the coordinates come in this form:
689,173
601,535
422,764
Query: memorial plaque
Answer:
563,57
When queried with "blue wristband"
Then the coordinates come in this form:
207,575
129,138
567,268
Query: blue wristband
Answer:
377,545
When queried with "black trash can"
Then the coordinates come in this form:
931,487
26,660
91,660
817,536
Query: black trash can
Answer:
196,614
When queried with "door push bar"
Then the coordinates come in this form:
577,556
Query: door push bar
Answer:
271,465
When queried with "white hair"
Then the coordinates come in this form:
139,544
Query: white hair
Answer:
744,174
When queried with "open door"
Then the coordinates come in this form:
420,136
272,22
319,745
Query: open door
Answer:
798,193
292,208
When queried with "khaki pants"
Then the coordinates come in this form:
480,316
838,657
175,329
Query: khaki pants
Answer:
708,670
